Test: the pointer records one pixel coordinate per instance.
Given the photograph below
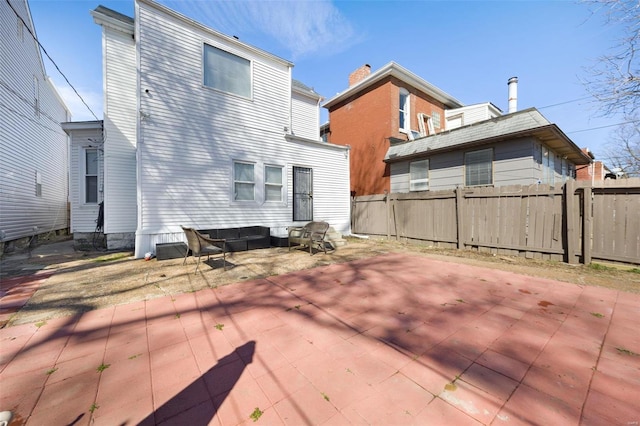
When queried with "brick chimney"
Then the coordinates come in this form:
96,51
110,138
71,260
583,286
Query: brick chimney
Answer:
359,74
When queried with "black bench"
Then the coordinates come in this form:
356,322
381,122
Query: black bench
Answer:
243,238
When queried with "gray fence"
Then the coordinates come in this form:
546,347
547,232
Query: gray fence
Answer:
536,221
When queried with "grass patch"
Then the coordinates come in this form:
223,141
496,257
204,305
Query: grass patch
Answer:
597,314
635,270
600,267
177,315
460,300
102,367
134,356
111,257
40,323
325,396
93,408
627,352
256,414
219,326
50,372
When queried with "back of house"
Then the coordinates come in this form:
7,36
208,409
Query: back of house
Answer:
205,131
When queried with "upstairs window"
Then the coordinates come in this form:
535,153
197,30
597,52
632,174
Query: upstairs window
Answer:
435,119
478,167
273,183
404,119
419,175
243,182
227,72
91,176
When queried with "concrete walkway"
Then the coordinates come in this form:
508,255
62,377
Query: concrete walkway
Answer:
394,339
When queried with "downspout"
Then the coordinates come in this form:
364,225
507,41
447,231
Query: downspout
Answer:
139,132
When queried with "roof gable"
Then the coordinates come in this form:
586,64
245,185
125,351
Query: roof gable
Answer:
402,74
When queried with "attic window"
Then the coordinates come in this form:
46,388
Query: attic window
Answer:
435,119
227,72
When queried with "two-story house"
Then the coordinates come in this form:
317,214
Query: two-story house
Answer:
33,146
202,130
407,135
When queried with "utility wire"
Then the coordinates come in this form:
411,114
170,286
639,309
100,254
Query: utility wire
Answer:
604,127
51,59
565,102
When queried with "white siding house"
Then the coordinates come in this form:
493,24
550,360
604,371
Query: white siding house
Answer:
33,146
186,145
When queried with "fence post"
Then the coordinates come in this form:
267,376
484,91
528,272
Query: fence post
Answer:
587,233
387,201
459,219
569,213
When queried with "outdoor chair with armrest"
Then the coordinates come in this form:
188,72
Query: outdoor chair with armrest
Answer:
311,235
199,245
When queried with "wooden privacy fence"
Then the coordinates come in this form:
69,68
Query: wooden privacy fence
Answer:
536,221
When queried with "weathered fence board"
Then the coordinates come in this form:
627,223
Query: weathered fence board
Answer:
577,222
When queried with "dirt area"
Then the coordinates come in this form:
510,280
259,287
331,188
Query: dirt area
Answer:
84,281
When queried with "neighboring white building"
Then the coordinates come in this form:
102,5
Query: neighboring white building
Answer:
33,146
203,130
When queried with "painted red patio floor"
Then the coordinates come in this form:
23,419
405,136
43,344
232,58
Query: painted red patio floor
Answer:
394,339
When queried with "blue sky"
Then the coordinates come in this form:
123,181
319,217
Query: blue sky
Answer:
469,49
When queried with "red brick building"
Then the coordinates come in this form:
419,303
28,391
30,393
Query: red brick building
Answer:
378,108
594,172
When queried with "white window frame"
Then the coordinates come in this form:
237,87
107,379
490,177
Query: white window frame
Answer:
270,184
38,184
86,175
220,89
418,184
234,193
436,119
467,165
404,110
547,157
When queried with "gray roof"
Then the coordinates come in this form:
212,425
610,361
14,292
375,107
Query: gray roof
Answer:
525,123
113,14
300,87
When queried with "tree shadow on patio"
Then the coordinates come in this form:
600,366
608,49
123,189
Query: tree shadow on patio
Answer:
195,404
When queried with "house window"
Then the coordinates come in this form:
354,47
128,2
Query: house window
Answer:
548,165
478,167
404,119
419,175
227,72
435,119
243,182
91,176
273,183
38,184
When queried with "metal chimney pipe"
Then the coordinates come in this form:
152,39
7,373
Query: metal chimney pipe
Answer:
513,94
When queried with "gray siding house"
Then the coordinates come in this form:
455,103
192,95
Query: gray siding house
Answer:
521,148
201,130
33,146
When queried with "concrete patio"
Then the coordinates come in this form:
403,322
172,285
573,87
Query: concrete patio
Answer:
391,339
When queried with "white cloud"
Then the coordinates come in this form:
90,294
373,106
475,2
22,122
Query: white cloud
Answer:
79,111
305,27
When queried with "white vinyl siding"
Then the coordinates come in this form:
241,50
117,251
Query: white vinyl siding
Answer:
226,72
305,117
30,143
419,175
478,167
187,146
120,117
83,216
